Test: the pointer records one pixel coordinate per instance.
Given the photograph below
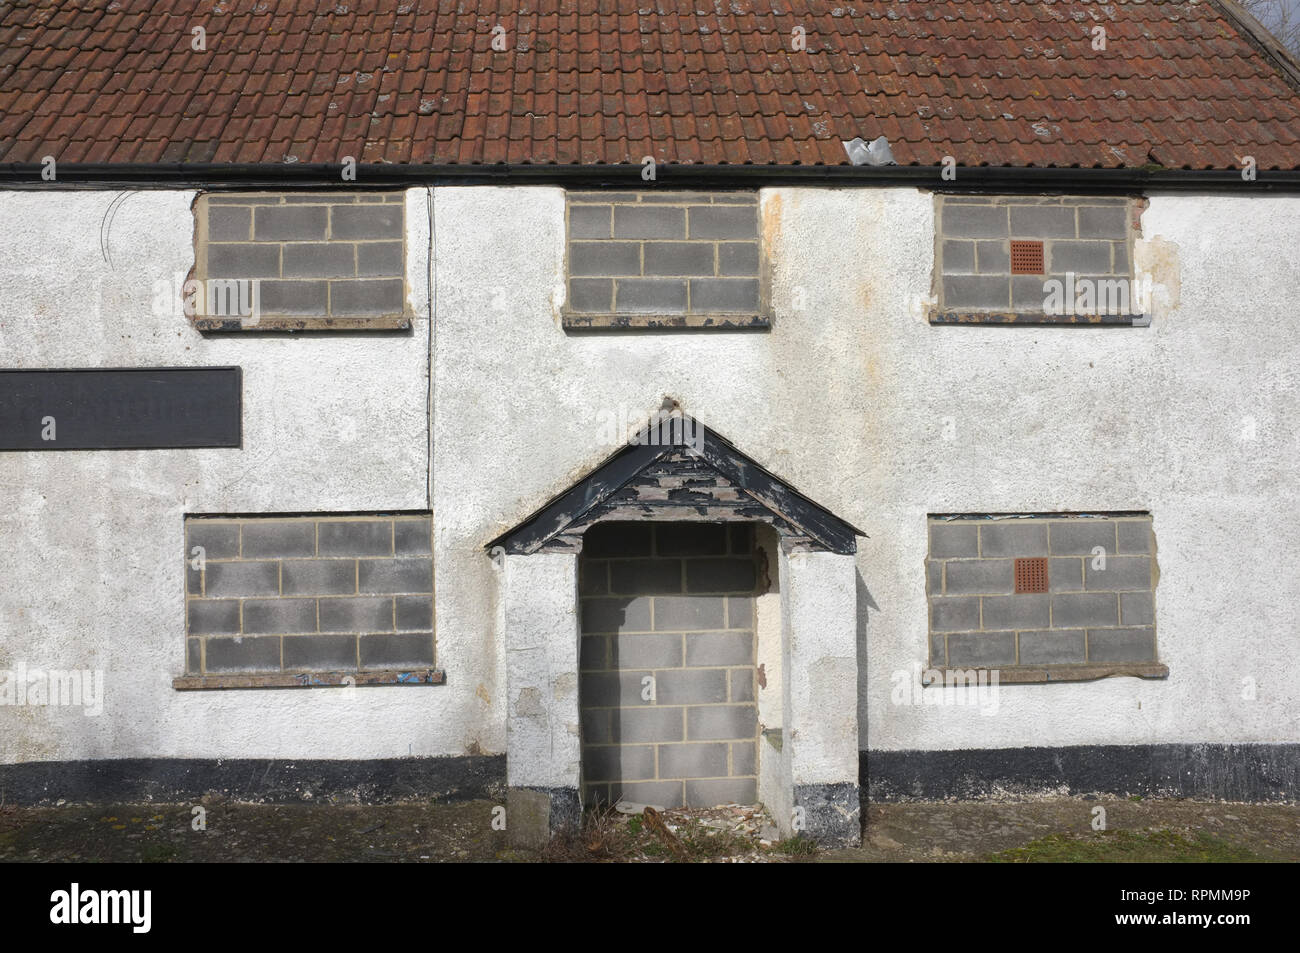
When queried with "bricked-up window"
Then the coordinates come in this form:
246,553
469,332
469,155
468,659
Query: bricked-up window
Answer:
664,259
1096,610
1037,260
318,261
270,596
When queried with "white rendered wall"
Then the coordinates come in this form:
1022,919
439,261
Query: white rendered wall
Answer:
91,542
855,399
820,667
852,397
1001,419
541,634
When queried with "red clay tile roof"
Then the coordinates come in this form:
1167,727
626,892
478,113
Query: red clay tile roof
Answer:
997,82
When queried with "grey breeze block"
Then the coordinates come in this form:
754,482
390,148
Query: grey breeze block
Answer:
663,253
1099,607
1090,237
323,593
314,255
669,605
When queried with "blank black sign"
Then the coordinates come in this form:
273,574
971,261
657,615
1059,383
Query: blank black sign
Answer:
131,409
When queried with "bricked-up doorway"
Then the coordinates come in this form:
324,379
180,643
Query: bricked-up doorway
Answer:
667,664
641,577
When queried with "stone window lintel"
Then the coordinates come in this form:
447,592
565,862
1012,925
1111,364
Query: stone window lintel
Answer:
575,321
188,683
1039,319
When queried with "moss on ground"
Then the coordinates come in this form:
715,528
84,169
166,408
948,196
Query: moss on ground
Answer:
1109,847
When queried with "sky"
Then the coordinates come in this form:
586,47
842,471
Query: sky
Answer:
1273,14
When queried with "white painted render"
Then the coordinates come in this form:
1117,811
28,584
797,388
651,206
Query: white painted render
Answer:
91,551
860,403
852,397
541,636
775,773
820,667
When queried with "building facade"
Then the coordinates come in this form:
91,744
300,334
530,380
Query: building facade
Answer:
682,488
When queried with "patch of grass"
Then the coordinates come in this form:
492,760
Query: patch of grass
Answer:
158,853
604,835
795,846
1153,846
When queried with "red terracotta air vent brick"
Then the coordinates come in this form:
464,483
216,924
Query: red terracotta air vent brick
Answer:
1031,575
1026,258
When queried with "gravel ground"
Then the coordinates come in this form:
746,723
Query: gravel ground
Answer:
971,831
1059,829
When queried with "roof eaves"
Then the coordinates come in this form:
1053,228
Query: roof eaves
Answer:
999,179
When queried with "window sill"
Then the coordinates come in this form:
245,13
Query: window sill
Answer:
1030,675
1039,319
575,321
376,322
190,683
